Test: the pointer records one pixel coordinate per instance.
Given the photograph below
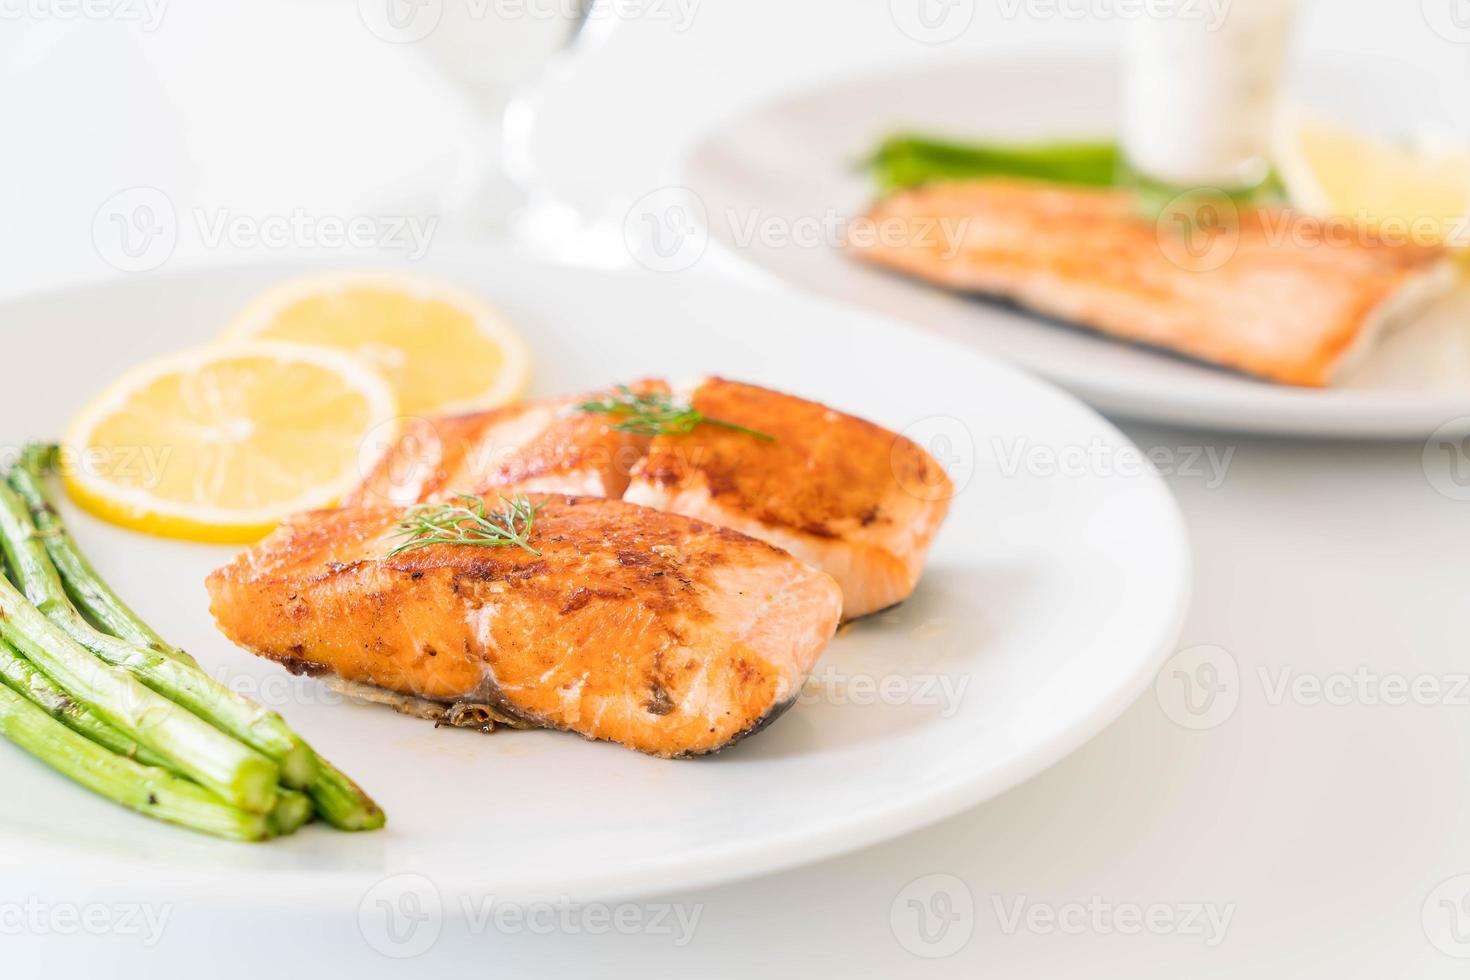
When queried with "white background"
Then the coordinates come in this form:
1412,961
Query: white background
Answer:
1323,829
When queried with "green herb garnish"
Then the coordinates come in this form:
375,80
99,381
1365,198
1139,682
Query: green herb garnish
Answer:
468,522
659,414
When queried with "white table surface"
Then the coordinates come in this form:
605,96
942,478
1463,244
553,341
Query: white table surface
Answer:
1320,825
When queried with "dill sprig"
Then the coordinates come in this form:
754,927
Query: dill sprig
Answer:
659,414
468,522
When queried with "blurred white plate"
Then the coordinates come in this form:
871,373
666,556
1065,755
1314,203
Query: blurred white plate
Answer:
1050,599
775,181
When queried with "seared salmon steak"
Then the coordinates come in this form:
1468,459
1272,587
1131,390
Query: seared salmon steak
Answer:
844,495
542,447
653,630
847,496
1271,293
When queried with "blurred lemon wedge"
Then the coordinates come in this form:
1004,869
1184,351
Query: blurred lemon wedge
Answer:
219,443
440,347
1419,193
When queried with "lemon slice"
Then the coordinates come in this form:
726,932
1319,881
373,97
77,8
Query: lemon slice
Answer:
442,348
220,443
1419,194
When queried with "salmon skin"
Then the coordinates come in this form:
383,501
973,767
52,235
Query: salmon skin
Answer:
653,630
1274,294
538,447
844,495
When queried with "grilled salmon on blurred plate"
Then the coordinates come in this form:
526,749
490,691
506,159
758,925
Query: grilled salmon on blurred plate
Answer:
1271,293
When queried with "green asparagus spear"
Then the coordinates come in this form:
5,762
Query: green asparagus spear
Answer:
906,161
237,773
291,812
155,792
27,680
342,803
87,590
339,800
181,683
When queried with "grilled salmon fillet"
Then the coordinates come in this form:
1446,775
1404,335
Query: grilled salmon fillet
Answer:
851,498
1280,297
844,495
656,631
544,447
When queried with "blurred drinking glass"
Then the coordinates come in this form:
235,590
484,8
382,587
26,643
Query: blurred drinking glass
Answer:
496,52
1201,87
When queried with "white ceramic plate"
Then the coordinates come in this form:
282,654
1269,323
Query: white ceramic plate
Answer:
1049,601
792,164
